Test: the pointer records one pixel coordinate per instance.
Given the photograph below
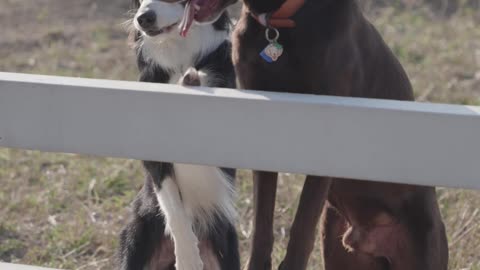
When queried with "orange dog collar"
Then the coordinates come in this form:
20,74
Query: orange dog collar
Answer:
281,18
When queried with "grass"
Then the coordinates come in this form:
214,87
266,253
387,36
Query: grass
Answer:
65,211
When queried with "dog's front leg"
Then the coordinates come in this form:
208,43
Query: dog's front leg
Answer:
302,234
190,78
194,77
178,223
265,190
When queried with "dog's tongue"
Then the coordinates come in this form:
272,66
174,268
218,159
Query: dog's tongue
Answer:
188,17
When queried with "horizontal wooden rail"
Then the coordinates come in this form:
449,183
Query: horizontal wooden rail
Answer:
407,142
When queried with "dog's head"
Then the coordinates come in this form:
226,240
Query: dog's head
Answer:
155,17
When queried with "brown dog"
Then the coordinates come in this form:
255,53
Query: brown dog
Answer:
327,47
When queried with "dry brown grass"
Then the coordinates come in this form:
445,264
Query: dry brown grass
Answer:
65,211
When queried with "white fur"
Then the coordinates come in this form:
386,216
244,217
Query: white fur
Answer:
180,53
187,254
205,191
167,13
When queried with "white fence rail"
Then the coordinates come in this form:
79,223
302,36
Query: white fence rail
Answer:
9,266
417,143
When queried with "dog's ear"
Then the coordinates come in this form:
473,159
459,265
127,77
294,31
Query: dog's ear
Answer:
133,37
133,34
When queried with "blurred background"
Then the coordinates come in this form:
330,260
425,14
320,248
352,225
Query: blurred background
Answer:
65,211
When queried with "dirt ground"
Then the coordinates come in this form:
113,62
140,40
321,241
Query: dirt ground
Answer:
65,211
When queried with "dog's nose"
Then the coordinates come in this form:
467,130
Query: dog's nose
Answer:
147,19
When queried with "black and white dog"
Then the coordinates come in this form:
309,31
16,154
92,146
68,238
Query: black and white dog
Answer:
183,216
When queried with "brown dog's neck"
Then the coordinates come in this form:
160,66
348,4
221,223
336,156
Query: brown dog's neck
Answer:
305,19
263,6
282,17
313,14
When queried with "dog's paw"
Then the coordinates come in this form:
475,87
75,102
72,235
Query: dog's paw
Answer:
190,78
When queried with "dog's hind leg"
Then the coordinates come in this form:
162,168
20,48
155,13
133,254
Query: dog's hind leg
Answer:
144,234
302,233
178,223
137,243
220,250
265,190
223,244
335,255
383,226
230,257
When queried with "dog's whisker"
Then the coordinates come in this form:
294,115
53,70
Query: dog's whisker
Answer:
127,24
131,12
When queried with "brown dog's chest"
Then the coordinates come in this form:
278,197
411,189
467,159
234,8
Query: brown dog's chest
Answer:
296,70
328,52
308,65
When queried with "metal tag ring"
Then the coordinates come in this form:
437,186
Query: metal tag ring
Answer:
267,34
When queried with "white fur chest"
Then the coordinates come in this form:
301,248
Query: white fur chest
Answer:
176,54
205,191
